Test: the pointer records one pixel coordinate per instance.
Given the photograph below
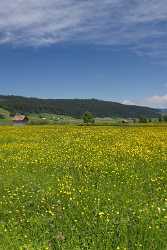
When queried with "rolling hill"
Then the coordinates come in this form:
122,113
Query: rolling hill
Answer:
74,107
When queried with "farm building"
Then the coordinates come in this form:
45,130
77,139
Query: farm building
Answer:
20,120
125,121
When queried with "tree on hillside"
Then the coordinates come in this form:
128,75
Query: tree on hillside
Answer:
165,118
142,119
88,118
2,116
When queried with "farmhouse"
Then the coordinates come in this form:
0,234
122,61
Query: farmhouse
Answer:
125,121
20,120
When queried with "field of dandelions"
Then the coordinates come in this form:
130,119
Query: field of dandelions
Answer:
73,188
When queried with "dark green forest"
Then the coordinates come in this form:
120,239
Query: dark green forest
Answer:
74,107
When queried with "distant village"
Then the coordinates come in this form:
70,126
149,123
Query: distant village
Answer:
88,119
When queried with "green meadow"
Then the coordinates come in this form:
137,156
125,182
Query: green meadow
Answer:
83,187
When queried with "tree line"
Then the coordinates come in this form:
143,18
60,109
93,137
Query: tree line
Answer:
74,107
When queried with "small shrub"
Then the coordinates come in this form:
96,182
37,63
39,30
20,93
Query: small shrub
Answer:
142,119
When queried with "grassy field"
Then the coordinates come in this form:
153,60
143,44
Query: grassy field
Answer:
73,188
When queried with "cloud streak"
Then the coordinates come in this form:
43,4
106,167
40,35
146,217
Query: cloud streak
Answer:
156,101
139,25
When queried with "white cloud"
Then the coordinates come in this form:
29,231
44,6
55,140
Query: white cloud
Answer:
128,102
157,101
140,25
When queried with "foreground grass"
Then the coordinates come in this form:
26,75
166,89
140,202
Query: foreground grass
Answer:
83,188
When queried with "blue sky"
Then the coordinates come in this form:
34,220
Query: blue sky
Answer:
111,49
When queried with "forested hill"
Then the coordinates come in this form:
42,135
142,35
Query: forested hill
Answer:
74,107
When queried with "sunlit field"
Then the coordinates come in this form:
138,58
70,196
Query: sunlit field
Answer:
75,188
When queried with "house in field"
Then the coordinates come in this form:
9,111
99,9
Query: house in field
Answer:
20,120
125,121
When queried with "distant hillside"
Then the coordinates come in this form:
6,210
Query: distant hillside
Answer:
4,112
163,111
74,107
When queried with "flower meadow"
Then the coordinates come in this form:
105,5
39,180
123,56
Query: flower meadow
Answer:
73,187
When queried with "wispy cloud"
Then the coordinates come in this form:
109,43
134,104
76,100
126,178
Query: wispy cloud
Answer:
156,101
140,25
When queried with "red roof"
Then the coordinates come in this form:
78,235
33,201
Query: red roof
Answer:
20,118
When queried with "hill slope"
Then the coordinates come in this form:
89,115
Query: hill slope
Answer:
4,112
74,107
